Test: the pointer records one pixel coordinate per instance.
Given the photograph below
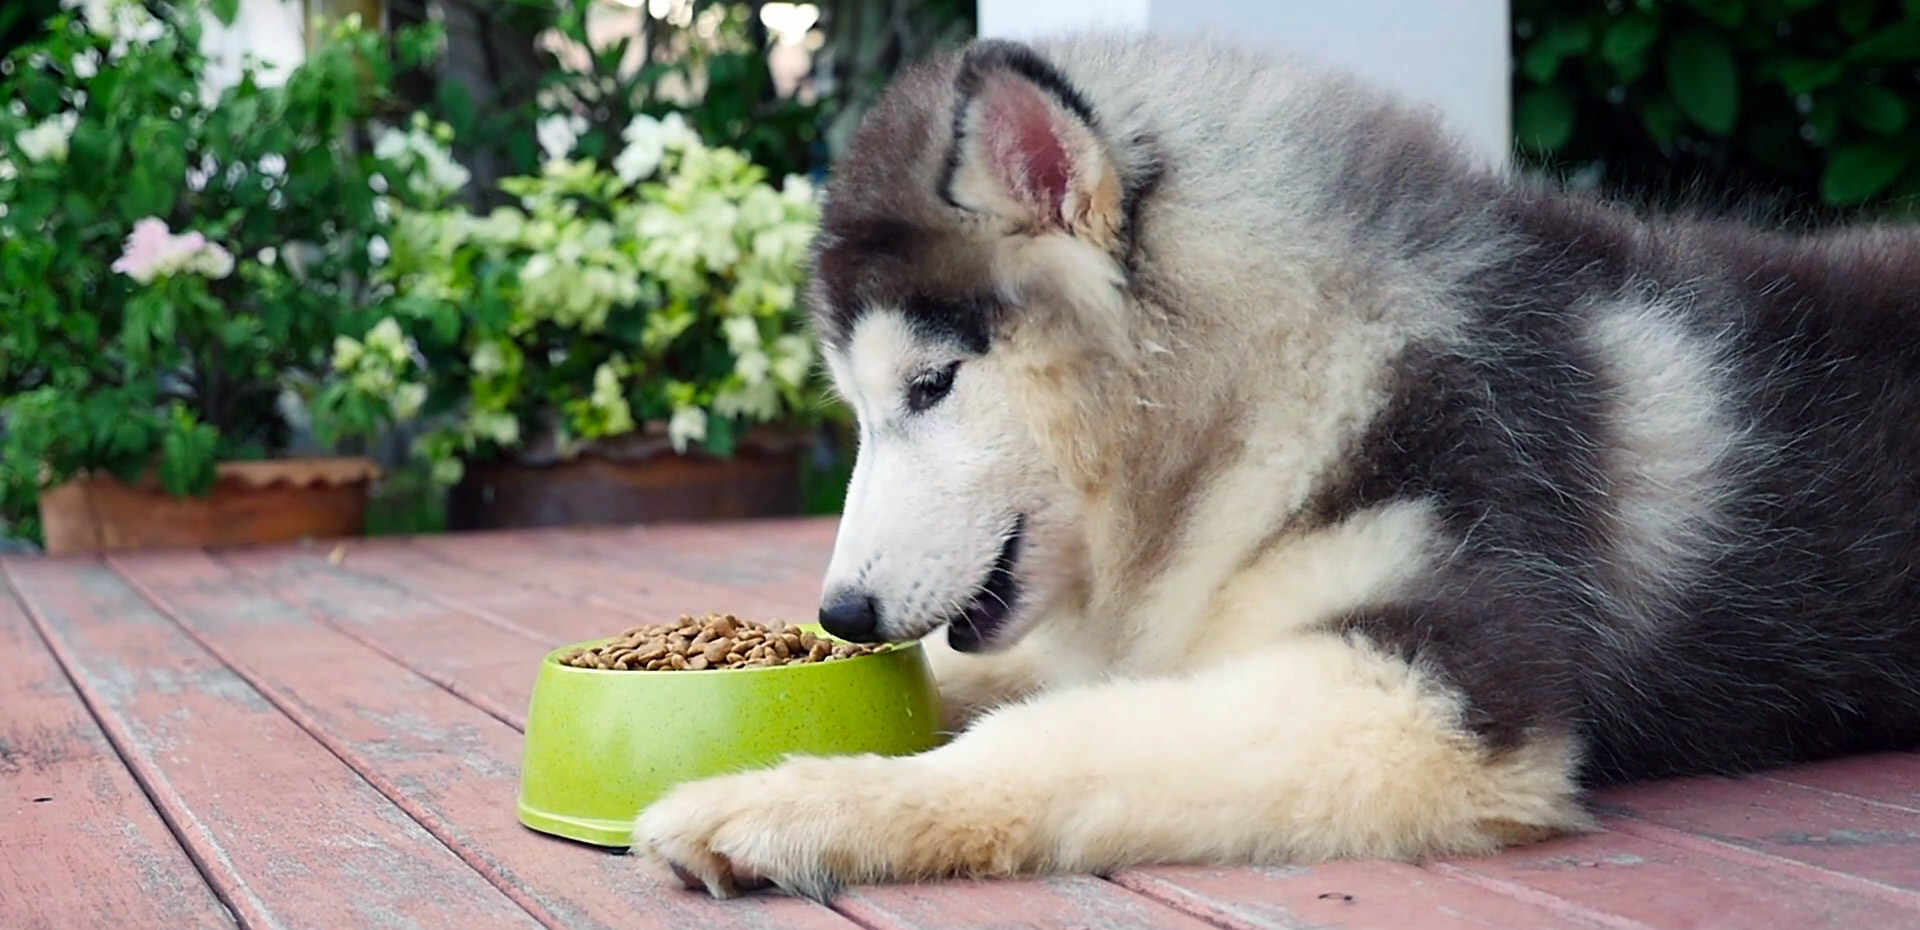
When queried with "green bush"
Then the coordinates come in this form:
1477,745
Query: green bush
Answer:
1804,101
176,261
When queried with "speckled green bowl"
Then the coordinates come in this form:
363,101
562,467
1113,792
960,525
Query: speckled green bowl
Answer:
602,745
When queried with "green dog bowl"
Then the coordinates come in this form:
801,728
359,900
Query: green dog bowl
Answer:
602,745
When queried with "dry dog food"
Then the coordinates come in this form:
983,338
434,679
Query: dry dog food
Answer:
713,641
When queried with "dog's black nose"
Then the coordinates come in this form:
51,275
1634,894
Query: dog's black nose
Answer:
851,615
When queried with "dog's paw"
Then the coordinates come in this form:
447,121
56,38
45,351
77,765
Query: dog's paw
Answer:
808,826
812,826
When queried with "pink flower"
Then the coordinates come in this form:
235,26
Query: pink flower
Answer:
152,251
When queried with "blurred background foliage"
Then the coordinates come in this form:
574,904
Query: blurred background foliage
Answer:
1795,108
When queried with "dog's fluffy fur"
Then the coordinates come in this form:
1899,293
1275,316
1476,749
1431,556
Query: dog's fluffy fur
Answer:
1346,499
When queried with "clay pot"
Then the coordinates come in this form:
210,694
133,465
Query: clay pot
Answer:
251,503
638,481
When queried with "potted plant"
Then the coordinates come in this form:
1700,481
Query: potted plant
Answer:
623,344
176,260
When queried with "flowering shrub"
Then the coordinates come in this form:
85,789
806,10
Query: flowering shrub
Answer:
176,259
655,297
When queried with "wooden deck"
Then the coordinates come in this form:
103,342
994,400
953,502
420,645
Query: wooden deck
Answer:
304,737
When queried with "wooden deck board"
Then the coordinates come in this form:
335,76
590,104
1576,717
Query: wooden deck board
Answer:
374,698
1832,832
451,765
287,833
70,811
1342,896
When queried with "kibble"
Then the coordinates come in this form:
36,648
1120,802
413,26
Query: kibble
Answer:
715,641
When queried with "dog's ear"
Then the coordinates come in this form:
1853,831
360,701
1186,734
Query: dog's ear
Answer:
1026,147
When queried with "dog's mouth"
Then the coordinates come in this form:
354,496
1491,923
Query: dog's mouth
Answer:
993,601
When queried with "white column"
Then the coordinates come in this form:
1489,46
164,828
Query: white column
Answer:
1449,53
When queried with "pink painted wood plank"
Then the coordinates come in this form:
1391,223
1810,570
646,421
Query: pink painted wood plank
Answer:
1886,777
70,812
1629,882
457,770
1078,902
288,835
450,765
480,661
653,594
1786,821
1341,896
556,618
779,566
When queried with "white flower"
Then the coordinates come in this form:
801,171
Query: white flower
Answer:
386,338
488,360
273,164
378,251
742,332
7,171
408,399
798,188
753,366
794,355
346,352
48,140
86,64
646,145
497,425
126,22
434,174
558,133
213,262
688,424
676,135
268,256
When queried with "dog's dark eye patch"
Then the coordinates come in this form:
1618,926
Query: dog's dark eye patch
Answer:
930,387
966,322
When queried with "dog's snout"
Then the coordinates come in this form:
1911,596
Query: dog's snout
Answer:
852,615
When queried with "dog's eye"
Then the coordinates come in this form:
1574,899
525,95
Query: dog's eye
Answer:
930,387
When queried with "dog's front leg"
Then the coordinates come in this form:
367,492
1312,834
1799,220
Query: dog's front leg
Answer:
1320,748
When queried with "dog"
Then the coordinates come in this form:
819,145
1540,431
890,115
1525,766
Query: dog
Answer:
1290,486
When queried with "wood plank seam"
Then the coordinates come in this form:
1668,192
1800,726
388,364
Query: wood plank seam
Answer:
1180,900
1572,910
1635,826
352,760
1837,793
486,705
246,908
585,597
482,614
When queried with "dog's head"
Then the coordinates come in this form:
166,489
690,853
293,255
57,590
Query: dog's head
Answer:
969,276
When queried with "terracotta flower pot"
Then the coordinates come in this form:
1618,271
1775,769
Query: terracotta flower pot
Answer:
251,503
634,481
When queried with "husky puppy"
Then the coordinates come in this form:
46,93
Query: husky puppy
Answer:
1290,487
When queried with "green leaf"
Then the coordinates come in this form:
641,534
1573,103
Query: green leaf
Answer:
1877,109
1541,61
1728,13
225,10
1663,120
1803,75
1857,172
720,436
1703,80
1543,118
1823,121
1856,15
1899,42
1627,42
